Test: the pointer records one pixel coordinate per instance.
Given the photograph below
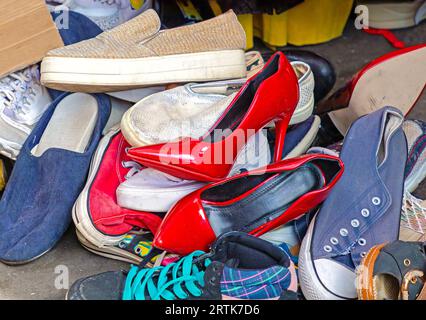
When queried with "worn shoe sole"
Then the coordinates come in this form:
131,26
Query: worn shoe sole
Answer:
109,251
103,75
397,82
311,285
364,274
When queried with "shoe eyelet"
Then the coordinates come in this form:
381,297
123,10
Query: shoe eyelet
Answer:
334,240
365,213
126,150
355,223
376,201
363,254
362,242
407,262
344,232
327,248
413,280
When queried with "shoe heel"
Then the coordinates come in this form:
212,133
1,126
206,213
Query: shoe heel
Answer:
281,126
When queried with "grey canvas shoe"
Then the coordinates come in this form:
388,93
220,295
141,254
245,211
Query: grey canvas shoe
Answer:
363,210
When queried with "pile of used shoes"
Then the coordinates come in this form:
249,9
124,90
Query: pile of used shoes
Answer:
228,177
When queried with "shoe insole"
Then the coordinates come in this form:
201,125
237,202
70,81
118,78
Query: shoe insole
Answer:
71,125
265,203
386,287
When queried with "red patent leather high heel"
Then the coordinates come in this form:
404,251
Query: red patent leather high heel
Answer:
252,202
271,95
396,79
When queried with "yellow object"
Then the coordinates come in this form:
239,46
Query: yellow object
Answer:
246,21
317,21
311,22
188,10
136,4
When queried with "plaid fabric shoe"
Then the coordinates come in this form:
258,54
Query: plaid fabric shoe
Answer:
239,266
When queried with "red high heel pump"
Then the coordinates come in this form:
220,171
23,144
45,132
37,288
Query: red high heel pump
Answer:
252,202
396,79
271,95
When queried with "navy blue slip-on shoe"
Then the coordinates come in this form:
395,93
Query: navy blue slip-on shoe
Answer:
363,210
35,209
78,28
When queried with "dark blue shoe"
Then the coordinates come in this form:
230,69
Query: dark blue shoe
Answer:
49,174
298,139
363,210
79,28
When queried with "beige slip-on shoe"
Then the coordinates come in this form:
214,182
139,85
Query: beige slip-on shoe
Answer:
137,54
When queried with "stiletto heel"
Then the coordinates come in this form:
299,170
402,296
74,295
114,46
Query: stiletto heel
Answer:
272,93
281,126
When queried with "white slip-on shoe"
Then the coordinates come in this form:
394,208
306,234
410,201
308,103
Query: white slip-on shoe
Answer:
190,110
254,63
23,100
154,191
137,54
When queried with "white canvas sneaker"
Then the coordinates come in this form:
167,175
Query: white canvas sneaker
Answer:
23,101
154,191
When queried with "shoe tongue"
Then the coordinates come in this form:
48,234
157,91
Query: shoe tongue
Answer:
137,29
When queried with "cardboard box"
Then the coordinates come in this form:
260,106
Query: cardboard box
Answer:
27,33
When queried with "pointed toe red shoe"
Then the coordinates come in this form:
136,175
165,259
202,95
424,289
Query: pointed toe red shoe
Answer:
271,95
253,202
395,79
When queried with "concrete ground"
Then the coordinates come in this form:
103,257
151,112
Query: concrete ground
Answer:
37,280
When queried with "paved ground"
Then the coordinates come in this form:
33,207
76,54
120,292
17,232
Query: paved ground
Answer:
37,280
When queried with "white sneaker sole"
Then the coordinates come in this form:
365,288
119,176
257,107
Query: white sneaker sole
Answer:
108,251
312,287
80,214
103,75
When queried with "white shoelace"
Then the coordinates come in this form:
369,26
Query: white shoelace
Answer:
133,166
413,213
17,90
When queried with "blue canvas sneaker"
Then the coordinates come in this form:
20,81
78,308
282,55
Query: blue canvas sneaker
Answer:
48,176
363,210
